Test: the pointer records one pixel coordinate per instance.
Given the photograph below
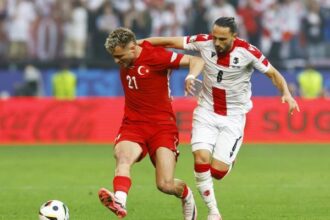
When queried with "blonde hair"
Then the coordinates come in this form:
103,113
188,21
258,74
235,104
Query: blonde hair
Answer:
119,37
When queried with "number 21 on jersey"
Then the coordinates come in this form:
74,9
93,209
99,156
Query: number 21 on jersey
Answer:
132,82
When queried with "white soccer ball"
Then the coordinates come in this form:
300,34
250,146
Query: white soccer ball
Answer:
54,210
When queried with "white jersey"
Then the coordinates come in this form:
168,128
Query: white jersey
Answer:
226,79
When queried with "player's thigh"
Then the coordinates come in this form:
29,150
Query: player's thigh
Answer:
127,152
204,129
229,140
165,161
129,142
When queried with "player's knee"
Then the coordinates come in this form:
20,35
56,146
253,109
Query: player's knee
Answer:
165,186
201,157
218,174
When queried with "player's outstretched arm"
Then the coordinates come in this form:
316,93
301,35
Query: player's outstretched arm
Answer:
196,65
169,42
279,81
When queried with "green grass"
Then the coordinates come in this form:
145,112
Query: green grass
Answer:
268,182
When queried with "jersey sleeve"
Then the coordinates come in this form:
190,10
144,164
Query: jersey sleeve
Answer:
166,59
195,42
259,61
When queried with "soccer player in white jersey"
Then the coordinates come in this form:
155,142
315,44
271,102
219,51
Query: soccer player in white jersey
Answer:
219,119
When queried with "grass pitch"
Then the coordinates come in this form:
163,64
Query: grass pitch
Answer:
267,182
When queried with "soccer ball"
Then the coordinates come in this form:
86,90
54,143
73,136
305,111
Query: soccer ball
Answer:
53,210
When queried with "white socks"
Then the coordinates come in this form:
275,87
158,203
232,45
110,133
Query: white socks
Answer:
204,185
121,197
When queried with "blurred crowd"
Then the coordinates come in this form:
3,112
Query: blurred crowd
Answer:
48,30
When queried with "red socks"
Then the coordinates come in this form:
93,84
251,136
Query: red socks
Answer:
121,183
185,192
201,168
218,174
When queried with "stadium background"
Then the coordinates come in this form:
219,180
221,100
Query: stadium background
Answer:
59,149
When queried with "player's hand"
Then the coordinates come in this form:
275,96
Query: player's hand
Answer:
139,42
291,102
190,85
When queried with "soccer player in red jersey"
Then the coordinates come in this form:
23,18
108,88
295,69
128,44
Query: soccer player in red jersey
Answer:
149,124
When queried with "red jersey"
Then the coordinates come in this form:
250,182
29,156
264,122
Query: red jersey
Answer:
146,85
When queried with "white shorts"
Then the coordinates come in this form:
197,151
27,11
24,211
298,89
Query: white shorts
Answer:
221,135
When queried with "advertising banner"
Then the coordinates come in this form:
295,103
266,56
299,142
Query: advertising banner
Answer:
50,121
97,120
269,121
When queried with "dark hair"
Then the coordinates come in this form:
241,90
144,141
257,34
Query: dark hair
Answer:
227,22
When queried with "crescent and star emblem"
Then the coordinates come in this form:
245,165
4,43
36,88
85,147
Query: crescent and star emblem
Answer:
142,70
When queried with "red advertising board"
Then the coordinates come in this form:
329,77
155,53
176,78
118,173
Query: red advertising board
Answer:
26,120
96,120
269,121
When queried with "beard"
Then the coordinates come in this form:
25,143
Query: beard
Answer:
222,50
